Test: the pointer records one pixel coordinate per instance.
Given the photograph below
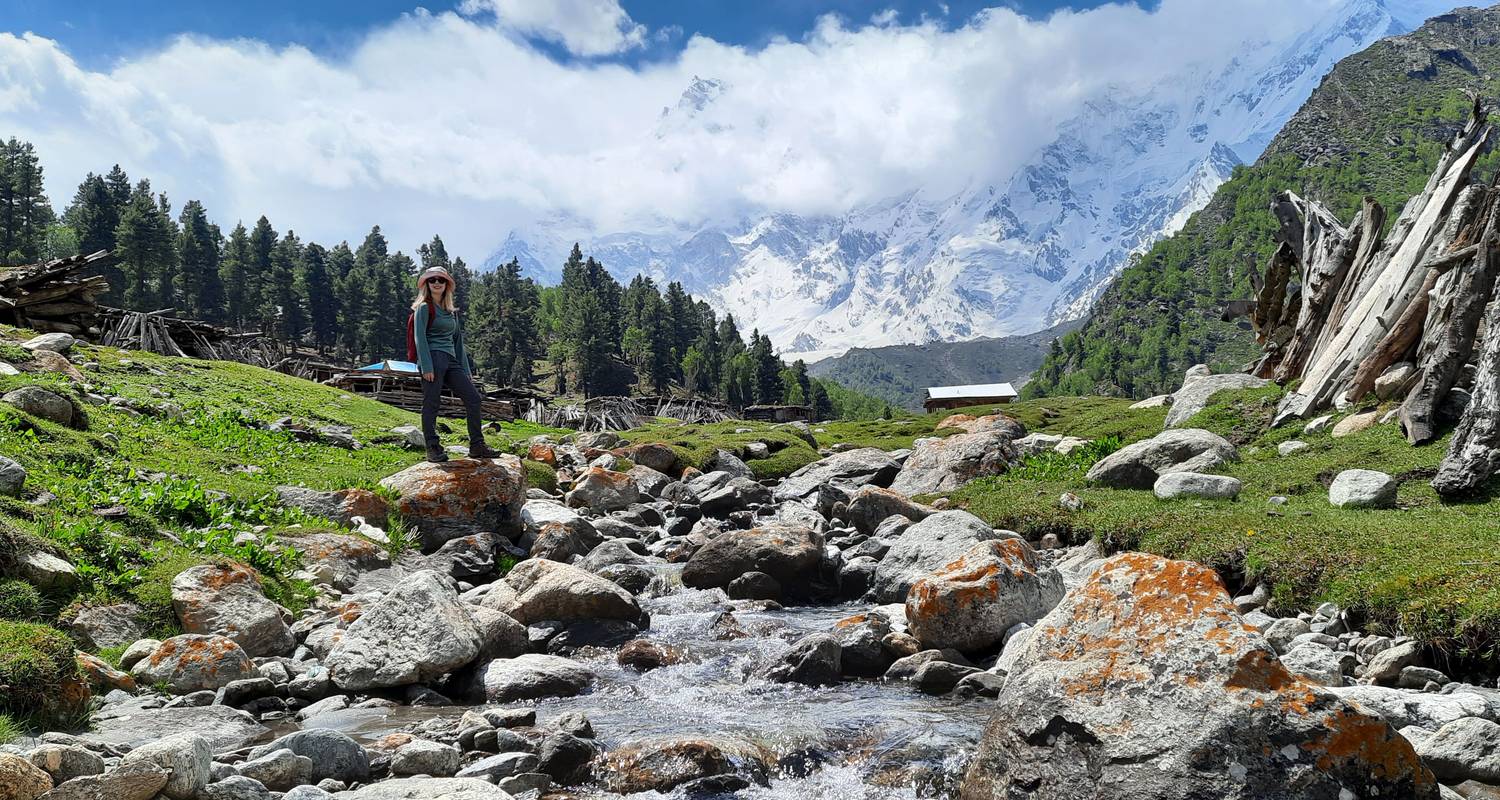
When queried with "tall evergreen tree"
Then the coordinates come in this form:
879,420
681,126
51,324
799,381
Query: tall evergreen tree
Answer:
285,314
25,213
234,270
170,272
145,248
94,215
360,293
258,273
198,253
316,285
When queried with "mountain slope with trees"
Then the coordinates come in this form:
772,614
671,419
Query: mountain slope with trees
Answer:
1376,125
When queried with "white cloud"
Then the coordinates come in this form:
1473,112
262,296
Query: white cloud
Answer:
585,27
450,123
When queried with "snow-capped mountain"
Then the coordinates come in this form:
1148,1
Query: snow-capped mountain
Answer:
993,259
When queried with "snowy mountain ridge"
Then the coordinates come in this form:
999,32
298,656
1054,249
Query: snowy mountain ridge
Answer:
993,259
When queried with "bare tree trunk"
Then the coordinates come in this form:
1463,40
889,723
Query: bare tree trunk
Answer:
1474,453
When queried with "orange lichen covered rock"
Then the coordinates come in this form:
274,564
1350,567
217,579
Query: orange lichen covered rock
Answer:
969,423
969,603
461,497
603,490
1145,682
941,465
227,600
194,662
101,677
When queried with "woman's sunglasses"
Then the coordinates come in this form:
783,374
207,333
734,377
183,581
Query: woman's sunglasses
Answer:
442,281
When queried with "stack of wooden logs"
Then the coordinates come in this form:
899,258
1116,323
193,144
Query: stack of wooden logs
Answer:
1422,294
53,297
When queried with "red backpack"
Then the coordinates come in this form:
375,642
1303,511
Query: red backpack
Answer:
411,335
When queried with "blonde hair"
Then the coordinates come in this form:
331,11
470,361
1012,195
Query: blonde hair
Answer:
424,295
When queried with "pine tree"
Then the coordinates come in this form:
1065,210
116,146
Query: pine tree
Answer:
234,270
316,284
284,309
360,293
25,213
94,215
767,369
822,404
681,319
258,301
198,251
145,248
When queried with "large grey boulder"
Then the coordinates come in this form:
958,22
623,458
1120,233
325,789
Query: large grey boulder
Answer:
416,633
537,514
538,590
225,728
186,755
421,757
944,464
428,789
1138,465
1362,488
20,779
814,660
969,603
102,627
12,477
43,403
334,755
789,553
46,571
226,599
725,461
140,781
66,762
1463,750
864,466
603,490
279,770
1146,682
460,497
926,547
1192,484
195,662
1402,708
339,560
58,342
872,505
1197,392
530,677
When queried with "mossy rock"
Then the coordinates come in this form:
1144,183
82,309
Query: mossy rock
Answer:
540,476
39,676
19,601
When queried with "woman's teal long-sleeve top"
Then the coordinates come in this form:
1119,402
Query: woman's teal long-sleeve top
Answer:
445,334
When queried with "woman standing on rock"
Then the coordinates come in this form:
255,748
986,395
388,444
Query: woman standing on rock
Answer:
435,340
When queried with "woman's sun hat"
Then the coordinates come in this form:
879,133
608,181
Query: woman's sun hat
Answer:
433,272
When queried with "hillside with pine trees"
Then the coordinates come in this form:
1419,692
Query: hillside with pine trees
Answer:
1375,126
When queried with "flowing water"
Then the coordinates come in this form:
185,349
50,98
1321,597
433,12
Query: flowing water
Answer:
859,739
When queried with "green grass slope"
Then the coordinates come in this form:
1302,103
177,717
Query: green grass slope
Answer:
1376,125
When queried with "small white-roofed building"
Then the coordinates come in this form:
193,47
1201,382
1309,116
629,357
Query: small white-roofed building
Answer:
974,394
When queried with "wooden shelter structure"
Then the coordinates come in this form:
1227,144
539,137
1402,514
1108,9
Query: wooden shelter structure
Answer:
947,398
398,383
1413,310
772,413
54,297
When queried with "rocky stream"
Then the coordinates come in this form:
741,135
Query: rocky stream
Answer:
671,632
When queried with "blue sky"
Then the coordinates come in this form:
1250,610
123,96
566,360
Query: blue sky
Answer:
98,32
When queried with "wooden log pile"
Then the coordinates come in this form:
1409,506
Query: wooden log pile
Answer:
1367,305
54,297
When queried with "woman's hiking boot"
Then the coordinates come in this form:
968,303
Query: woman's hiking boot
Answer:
436,454
482,450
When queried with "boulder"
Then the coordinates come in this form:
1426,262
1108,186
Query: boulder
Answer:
278,770
65,762
457,498
101,677
42,403
1402,708
1036,443
194,662
1354,423
925,547
736,494
1197,393
1290,446
56,342
530,677
340,507
20,779
944,464
603,490
861,638
872,505
339,560
1146,682
659,457
186,756
12,477
1154,401
537,514
334,755
428,789
1314,663
724,461
46,571
814,660
538,590
791,554
1138,465
1464,750
102,627
648,481
133,782
1192,484
1362,488
861,467
227,600
662,765
421,757
225,728
416,633
501,766
969,603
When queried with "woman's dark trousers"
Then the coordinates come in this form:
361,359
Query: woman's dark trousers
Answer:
446,372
